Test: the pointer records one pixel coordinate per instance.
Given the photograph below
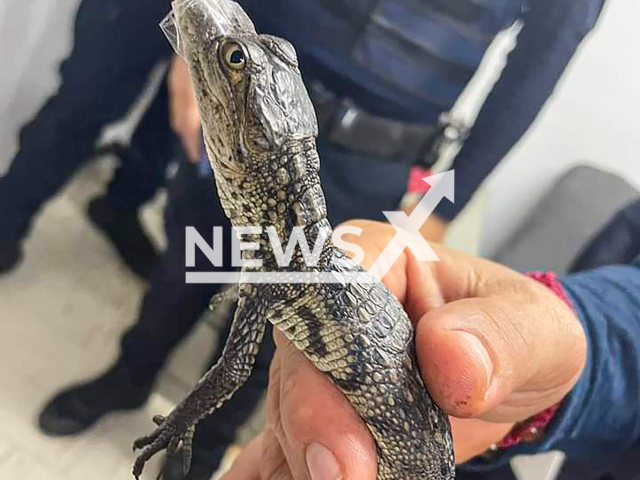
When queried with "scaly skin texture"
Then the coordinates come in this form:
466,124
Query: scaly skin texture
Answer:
260,130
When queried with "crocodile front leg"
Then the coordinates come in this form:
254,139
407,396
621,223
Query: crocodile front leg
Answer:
228,295
216,386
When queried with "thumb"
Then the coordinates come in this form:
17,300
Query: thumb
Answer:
501,358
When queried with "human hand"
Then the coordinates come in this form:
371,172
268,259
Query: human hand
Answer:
184,113
494,348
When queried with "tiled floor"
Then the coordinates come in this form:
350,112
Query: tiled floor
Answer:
61,315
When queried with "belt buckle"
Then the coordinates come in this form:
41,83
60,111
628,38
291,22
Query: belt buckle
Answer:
453,130
449,132
347,115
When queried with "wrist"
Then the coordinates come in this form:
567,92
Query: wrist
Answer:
532,429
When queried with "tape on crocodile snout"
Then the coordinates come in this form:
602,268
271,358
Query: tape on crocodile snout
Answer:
218,17
170,30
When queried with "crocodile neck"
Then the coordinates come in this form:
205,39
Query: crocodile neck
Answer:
288,197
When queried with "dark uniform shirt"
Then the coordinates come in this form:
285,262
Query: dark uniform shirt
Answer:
411,59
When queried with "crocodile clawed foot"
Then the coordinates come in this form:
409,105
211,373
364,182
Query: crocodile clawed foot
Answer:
166,436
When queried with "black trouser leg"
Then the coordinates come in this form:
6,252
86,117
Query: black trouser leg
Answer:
117,44
501,473
143,168
172,307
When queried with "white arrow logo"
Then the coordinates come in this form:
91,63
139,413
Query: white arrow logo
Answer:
408,227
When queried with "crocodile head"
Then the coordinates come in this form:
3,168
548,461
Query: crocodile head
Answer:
252,99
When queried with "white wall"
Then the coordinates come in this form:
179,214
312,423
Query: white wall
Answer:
35,36
594,116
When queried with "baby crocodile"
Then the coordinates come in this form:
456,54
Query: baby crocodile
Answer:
260,129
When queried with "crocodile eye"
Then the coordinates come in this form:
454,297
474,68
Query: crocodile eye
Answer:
233,56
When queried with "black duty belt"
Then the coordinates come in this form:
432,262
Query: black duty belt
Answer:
342,123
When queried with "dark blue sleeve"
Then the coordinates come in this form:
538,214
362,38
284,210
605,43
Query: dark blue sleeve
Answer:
600,418
551,34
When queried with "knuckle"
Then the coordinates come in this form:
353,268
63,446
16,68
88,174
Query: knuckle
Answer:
273,465
273,394
279,471
288,390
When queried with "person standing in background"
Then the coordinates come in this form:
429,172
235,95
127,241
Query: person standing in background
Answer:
117,44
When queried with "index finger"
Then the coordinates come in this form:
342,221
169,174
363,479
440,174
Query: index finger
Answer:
326,439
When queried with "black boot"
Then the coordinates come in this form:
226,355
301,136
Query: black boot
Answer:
203,465
10,256
127,235
77,408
